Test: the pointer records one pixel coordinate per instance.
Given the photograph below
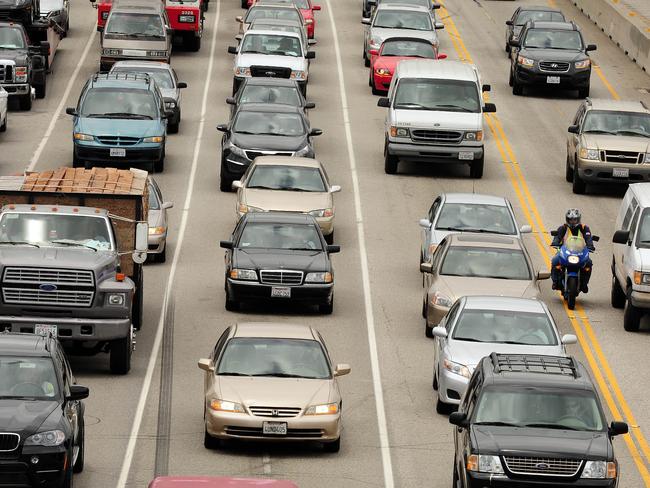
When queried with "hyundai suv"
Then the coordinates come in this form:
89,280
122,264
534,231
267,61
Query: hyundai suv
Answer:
533,420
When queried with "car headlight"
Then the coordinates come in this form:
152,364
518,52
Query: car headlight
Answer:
155,231
242,71
157,54
226,406
235,150
474,136
456,368
484,464
441,300
21,74
324,212
298,75
153,139
243,208
325,409
591,154
303,151
646,159
322,277
382,71
115,299
243,274
111,52
49,438
78,136
375,41
573,259
170,104
641,278
398,131
525,61
583,64
599,470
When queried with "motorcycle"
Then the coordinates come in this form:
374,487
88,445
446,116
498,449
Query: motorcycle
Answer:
574,255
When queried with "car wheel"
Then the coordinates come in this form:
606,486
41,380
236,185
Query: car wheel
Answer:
41,89
517,89
428,331
3,127
159,166
583,92
120,354
193,43
210,442
78,466
162,257
137,308
332,446
25,102
632,317
618,294
435,381
476,168
568,170
172,128
510,79
390,162
68,479
579,185
507,49
327,308
443,408
329,238
231,305
375,91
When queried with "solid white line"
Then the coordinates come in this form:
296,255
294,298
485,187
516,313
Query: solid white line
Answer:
153,358
266,464
384,443
64,98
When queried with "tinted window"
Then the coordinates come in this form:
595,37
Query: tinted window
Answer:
280,236
11,38
272,13
619,123
134,26
505,326
408,48
403,19
275,124
33,378
293,178
486,263
553,39
162,77
271,44
443,95
270,94
539,16
119,102
467,217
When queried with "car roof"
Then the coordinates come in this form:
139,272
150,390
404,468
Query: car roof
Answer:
616,105
122,78
217,482
486,302
538,8
287,161
404,7
280,218
484,240
16,344
436,69
269,107
142,64
268,81
475,198
642,193
553,25
60,209
274,329
269,32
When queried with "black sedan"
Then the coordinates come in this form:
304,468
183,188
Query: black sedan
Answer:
279,256
262,129
41,412
268,90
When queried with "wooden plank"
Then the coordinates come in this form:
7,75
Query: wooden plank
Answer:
53,183
68,179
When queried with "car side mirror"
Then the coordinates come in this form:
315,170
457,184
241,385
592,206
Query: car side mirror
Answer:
621,237
591,47
426,267
595,238
514,43
435,6
383,102
373,52
486,88
71,111
342,369
333,249
231,101
316,7
525,229
309,105
509,22
618,428
239,19
206,365
232,50
316,132
365,20
139,255
222,127
543,275
569,339
489,108
167,205
440,332
441,56
239,37
459,419
573,129
77,392
424,223
225,244
554,233
310,55
236,185
181,84
335,189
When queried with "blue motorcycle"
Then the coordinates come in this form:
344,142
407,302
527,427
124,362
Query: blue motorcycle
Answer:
574,255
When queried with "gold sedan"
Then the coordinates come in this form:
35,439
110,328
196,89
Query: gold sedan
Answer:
269,381
288,184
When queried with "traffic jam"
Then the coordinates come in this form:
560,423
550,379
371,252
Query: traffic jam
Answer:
230,156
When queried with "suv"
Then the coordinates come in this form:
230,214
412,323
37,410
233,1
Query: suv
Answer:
551,54
532,420
120,119
609,142
42,435
529,12
435,115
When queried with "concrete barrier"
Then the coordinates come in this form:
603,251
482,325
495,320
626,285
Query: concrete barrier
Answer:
629,30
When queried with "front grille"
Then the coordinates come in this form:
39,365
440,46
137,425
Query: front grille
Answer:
281,277
36,276
554,66
271,71
445,136
35,296
9,441
253,154
257,432
275,411
6,73
118,140
538,466
630,157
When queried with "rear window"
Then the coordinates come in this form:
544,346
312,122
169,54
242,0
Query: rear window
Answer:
538,16
507,264
134,26
255,13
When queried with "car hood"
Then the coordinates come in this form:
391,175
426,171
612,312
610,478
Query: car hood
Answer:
55,257
458,286
120,127
274,392
268,143
541,442
616,143
383,34
390,62
553,54
19,56
280,259
287,201
247,60
439,120
25,417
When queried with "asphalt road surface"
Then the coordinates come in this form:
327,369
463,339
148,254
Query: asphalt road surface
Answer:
392,435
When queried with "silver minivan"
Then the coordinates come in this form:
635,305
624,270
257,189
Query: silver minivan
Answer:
136,30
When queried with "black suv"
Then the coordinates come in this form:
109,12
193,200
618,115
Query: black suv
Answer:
530,421
550,54
41,413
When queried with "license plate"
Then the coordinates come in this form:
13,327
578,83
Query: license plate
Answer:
118,152
45,329
133,52
274,428
553,80
620,172
186,18
465,155
281,292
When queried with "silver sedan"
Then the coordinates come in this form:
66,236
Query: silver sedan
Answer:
157,223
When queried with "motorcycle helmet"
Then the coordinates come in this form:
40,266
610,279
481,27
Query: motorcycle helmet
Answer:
573,218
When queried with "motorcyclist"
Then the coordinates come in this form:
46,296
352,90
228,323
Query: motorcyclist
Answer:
574,227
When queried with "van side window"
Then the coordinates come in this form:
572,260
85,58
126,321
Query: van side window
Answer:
628,213
634,223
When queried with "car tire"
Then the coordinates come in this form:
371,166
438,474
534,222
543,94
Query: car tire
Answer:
428,331
225,181
510,79
159,166
476,168
78,466
210,442
162,257
120,355
507,49
3,127
370,78
193,43
137,306
329,238
68,478
632,317
579,185
618,296
327,308
231,305
173,127
435,383
41,89
25,102
235,85
568,170
375,91
366,60
390,162
583,92
332,446
443,408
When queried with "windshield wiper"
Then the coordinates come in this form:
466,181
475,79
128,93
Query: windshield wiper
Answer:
550,426
261,187
301,249
468,339
232,373
464,109
284,375
498,423
416,106
17,243
67,242
632,132
598,131
254,52
127,115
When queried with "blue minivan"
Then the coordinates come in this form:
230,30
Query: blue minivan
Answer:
119,121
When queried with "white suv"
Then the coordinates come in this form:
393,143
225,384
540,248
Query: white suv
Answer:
435,115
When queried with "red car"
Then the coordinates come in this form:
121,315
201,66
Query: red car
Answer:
306,7
391,52
211,482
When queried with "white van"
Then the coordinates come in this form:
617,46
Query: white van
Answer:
631,260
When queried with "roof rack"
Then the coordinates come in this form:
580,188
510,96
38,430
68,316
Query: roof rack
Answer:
123,75
523,363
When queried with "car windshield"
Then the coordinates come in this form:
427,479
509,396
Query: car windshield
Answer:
403,19
469,217
507,264
287,95
55,230
263,235
28,377
293,358
538,16
617,123
162,77
292,178
261,25
267,123
278,45
541,408
408,48
643,234
505,326
419,3
433,94
553,39
134,25
11,38
119,102
255,13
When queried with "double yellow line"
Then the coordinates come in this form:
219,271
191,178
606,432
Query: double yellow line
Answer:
603,374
